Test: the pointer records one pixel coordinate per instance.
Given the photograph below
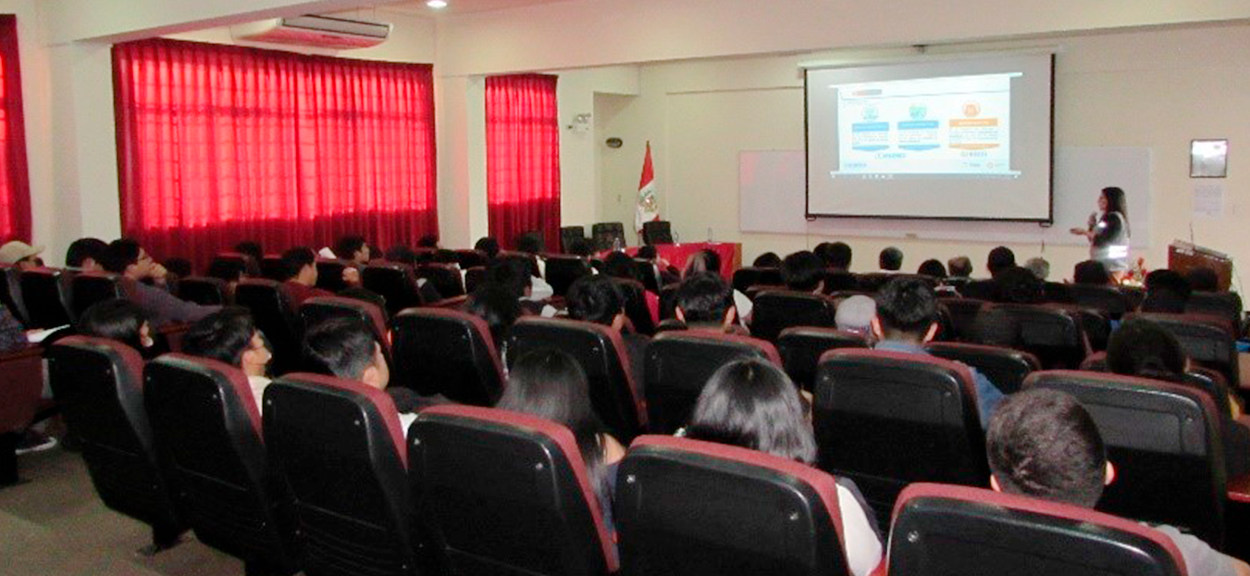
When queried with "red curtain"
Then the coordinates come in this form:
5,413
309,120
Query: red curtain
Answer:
523,158
14,178
219,144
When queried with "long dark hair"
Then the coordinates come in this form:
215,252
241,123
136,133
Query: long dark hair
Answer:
753,404
550,384
1116,202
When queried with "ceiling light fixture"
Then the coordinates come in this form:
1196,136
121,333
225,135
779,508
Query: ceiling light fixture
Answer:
437,4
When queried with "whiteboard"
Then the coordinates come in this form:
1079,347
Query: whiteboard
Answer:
771,188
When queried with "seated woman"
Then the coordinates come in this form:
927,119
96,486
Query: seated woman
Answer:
550,384
123,321
498,307
1144,349
753,404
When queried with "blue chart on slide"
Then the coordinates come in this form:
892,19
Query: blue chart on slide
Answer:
959,125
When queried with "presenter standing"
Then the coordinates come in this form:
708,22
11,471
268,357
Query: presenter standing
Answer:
1108,231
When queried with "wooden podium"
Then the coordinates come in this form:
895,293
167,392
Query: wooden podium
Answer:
1183,257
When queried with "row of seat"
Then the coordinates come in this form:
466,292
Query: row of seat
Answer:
326,482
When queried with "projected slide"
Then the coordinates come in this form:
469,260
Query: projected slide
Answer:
958,125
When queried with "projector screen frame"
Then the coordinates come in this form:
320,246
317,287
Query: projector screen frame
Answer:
807,175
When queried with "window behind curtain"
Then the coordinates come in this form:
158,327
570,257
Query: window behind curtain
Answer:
219,144
14,179
523,158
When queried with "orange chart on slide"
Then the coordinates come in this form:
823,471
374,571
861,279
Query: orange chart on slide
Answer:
974,133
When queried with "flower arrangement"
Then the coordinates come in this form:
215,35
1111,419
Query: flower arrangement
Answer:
1136,273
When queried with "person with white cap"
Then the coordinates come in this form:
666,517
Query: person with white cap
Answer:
22,255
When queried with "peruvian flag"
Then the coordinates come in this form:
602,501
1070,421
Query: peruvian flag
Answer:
648,208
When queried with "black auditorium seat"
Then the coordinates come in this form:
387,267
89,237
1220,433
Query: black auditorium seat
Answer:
393,281
1058,292
942,529
445,278
605,234
88,288
506,493
208,431
648,274
569,235
776,310
203,290
99,388
636,309
1052,334
1222,304
801,347
21,373
562,271
657,232
1207,340
339,446
1105,298
11,291
963,313
980,289
602,355
330,274
275,318
45,292
752,513
670,324
668,302
887,419
469,258
272,267
237,263
448,352
873,281
679,364
1163,439
749,276
840,281
474,277
1005,367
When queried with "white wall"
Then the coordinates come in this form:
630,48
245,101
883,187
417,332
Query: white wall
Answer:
1157,89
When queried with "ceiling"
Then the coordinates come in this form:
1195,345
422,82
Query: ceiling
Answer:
418,7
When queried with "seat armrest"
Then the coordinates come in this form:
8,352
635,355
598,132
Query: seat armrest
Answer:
21,387
1239,489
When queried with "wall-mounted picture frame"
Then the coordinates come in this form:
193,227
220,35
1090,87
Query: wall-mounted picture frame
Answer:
1208,159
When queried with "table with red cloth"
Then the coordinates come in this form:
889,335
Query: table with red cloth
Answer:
730,254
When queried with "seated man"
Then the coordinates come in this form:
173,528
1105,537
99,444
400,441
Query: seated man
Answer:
999,259
21,255
837,255
1042,443
890,260
959,267
132,262
1038,266
231,337
596,299
1091,273
346,348
12,333
906,319
300,265
86,255
709,261
1166,291
352,249
706,302
804,271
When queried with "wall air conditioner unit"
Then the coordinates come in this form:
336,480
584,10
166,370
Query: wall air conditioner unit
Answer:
317,31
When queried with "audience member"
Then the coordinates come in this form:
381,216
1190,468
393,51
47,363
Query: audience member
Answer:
768,260
804,271
1091,273
346,348
497,304
621,265
959,267
709,261
551,385
1039,267
1042,443
428,241
1203,279
1166,291
86,255
120,320
300,265
352,249
488,246
706,302
228,271
1018,285
837,255
752,404
127,258
21,255
855,314
251,248
932,268
597,299
669,274
444,256
179,267
12,333
890,260
401,254
1000,259
230,336
582,247
907,319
